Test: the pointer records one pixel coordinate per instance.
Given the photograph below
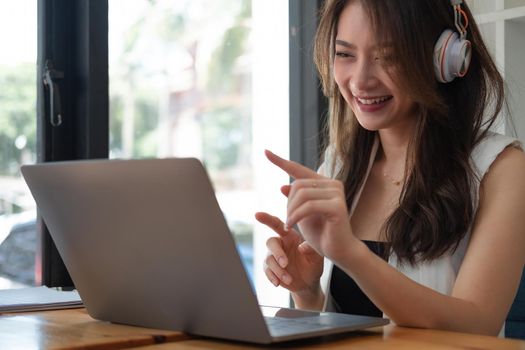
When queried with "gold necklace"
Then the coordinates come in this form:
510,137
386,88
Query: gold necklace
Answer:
396,182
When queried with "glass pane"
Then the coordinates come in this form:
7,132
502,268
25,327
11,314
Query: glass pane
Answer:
18,240
185,79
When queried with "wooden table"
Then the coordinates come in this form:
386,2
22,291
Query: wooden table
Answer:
74,329
383,338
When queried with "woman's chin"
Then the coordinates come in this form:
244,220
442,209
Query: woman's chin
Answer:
371,125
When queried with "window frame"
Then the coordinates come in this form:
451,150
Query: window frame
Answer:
308,105
73,35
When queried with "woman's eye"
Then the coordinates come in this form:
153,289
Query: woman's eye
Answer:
343,54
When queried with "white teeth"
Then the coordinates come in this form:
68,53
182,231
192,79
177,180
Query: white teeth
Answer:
369,101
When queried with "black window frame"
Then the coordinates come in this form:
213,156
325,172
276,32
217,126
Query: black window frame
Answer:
308,105
72,34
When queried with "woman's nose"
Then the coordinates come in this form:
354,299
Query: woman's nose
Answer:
363,77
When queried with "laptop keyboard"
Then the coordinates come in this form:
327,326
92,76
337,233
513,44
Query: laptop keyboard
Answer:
284,325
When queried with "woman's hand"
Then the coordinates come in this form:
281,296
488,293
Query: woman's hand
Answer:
317,205
291,262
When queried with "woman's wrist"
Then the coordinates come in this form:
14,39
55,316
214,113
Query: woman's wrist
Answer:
355,258
311,298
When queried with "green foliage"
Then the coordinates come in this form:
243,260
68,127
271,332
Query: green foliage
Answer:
222,138
132,35
17,114
145,125
222,64
164,27
115,122
171,28
146,121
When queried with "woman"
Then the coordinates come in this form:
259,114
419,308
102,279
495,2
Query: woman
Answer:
404,217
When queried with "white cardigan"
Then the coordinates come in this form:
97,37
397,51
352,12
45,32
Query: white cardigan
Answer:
439,274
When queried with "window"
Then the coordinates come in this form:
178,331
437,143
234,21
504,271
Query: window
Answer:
207,79
220,80
18,239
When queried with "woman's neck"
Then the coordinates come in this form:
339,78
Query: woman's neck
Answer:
393,147
393,152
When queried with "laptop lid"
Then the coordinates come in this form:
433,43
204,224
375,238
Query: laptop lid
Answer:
146,244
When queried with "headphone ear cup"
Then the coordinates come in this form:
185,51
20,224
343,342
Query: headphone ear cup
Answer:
451,56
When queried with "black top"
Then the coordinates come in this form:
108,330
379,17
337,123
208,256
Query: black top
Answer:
347,297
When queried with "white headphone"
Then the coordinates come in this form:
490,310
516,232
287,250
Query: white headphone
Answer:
452,51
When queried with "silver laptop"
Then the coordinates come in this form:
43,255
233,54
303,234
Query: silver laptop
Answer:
146,244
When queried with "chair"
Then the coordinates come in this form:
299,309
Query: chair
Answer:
515,323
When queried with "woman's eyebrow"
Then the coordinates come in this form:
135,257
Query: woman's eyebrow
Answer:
345,44
388,46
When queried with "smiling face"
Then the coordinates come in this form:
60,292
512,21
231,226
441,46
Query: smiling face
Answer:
364,77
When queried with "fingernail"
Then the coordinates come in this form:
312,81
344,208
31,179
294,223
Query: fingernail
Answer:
274,282
286,228
282,261
286,279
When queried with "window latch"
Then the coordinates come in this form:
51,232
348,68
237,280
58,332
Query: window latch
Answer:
50,78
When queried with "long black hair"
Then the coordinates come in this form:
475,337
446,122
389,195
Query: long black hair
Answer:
435,209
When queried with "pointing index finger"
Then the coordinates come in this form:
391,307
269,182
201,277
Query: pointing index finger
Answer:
294,169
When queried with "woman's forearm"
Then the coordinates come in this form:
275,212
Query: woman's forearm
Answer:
408,303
